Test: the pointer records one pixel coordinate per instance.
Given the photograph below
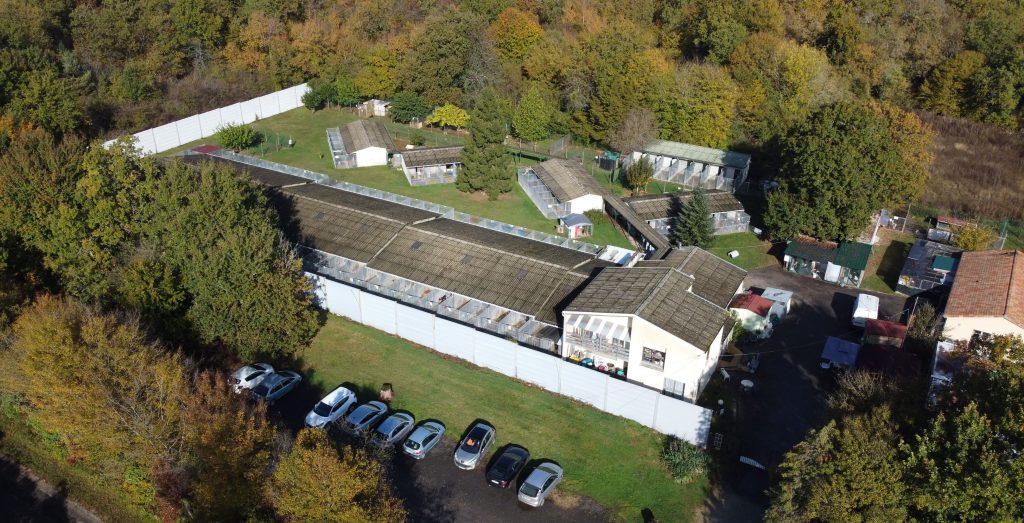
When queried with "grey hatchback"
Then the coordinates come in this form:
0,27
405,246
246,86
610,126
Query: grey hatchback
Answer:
474,446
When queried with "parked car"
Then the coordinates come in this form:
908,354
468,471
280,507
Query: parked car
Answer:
474,446
540,483
364,417
249,376
393,429
507,466
334,405
864,309
276,385
423,439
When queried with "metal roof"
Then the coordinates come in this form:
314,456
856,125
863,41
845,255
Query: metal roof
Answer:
428,156
575,219
697,153
840,351
853,255
335,229
659,295
361,134
662,206
566,179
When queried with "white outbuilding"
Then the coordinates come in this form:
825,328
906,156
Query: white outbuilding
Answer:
362,143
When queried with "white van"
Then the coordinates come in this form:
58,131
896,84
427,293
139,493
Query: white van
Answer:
866,308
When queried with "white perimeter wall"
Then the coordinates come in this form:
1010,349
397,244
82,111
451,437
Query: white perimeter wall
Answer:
667,415
204,125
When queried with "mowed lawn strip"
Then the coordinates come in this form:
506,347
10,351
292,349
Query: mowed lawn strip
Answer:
753,251
610,459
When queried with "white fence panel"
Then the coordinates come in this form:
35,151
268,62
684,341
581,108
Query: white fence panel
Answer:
269,104
250,110
495,353
416,326
583,384
291,98
166,136
454,339
537,368
337,298
231,115
189,129
146,142
378,312
683,420
209,122
631,401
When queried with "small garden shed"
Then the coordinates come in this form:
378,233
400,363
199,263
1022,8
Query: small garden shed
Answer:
842,263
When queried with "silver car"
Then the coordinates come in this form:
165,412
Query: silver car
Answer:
393,429
541,482
364,417
276,385
424,438
249,376
334,405
474,446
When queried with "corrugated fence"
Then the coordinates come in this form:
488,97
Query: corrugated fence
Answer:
204,125
648,407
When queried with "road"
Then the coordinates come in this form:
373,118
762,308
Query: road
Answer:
24,497
790,388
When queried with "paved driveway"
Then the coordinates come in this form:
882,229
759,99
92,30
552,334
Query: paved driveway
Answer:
789,387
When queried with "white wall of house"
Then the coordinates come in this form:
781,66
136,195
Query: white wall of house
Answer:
750,320
962,327
371,156
589,202
684,363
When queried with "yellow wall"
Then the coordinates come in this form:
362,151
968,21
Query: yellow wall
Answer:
962,328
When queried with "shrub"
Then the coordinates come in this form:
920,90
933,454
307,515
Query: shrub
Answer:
685,461
418,138
237,137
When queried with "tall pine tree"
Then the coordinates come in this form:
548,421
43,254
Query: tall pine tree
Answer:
484,163
693,225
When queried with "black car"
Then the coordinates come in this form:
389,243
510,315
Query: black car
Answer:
507,466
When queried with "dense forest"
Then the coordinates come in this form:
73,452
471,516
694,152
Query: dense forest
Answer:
716,73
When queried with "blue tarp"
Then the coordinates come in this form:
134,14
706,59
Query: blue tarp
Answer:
840,352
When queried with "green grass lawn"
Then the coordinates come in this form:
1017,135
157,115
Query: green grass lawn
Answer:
886,262
610,459
753,251
308,130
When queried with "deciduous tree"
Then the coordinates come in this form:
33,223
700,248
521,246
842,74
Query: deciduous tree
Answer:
975,238
238,136
515,32
316,482
532,117
639,174
448,115
407,106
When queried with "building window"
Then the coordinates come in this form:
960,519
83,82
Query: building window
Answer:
653,358
674,388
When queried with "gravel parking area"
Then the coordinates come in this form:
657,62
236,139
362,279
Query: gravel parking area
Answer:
790,388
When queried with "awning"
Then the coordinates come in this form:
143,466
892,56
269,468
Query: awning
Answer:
621,333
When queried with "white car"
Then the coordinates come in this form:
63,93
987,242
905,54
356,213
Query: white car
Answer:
424,438
334,405
541,482
393,429
276,385
247,377
364,417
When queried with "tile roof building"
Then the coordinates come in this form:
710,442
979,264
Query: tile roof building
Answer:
559,187
511,286
430,165
693,165
987,296
660,211
362,143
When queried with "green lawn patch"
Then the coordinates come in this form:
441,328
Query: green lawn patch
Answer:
886,263
610,459
753,251
308,130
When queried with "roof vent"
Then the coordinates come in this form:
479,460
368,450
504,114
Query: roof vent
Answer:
416,245
467,259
